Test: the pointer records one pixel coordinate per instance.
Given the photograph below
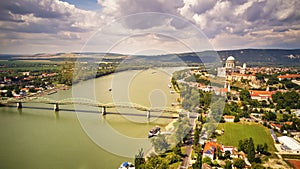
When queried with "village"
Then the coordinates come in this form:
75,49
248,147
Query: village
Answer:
260,126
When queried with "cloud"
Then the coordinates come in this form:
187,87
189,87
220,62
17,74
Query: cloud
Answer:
30,24
45,16
124,8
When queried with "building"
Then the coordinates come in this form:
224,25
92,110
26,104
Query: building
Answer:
210,149
230,67
289,144
228,118
239,77
261,95
221,72
230,64
290,77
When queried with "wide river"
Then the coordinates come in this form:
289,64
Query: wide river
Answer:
78,136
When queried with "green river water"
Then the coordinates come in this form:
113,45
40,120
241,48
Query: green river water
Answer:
37,137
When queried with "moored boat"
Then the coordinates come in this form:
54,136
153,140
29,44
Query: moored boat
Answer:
154,132
127,165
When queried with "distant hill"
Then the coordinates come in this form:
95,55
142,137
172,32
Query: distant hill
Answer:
253,57
264,56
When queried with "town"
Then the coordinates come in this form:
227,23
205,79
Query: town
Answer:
259,124
258,128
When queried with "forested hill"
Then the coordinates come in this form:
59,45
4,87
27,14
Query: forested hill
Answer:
264,56
253,57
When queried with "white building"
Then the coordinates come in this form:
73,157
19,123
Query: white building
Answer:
230,63
289,144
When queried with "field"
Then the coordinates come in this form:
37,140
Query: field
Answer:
233,132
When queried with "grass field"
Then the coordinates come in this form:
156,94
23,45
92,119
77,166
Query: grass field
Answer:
233,132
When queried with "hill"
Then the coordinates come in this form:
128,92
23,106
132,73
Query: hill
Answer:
253,57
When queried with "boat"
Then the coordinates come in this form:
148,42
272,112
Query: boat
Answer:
172,92
127,165
52,92
154,132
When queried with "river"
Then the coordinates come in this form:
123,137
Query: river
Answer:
37,137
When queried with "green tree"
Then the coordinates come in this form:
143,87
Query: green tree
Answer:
236,119
251,150
228,164
182,129
177,150
156,162
227,154
239,163
245,95
173,158
139,160
160,143
9,93
265,147
219,153
198,163
207,160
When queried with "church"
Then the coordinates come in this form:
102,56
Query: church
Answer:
230,67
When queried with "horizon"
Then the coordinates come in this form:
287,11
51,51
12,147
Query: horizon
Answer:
147,28
185,52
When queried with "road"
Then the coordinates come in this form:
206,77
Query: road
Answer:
189,147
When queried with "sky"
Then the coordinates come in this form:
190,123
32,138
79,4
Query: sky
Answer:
147,26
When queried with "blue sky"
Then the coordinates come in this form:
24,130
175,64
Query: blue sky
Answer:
86,4
52,26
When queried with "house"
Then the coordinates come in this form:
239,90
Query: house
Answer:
261,95
210,149
228,118
239,77
276,126
288,76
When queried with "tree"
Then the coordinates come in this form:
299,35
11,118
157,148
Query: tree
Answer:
173,158
219,153
160,143
177,150
9,93
156,162
236,119
239,163
228,164
207,160
265,147
182,129
227,154
198,163
139,160
245,95
251,150
196,135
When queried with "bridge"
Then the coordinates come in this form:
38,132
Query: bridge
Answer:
84,101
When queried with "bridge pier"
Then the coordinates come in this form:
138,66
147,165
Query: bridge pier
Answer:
148,114
56,107
19,105
103,110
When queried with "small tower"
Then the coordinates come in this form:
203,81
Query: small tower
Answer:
243,70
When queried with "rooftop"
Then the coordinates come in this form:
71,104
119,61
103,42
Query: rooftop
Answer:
230,58
289,142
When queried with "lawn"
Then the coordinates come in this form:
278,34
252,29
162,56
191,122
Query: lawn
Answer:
233,132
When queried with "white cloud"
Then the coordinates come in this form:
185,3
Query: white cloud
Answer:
30,24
